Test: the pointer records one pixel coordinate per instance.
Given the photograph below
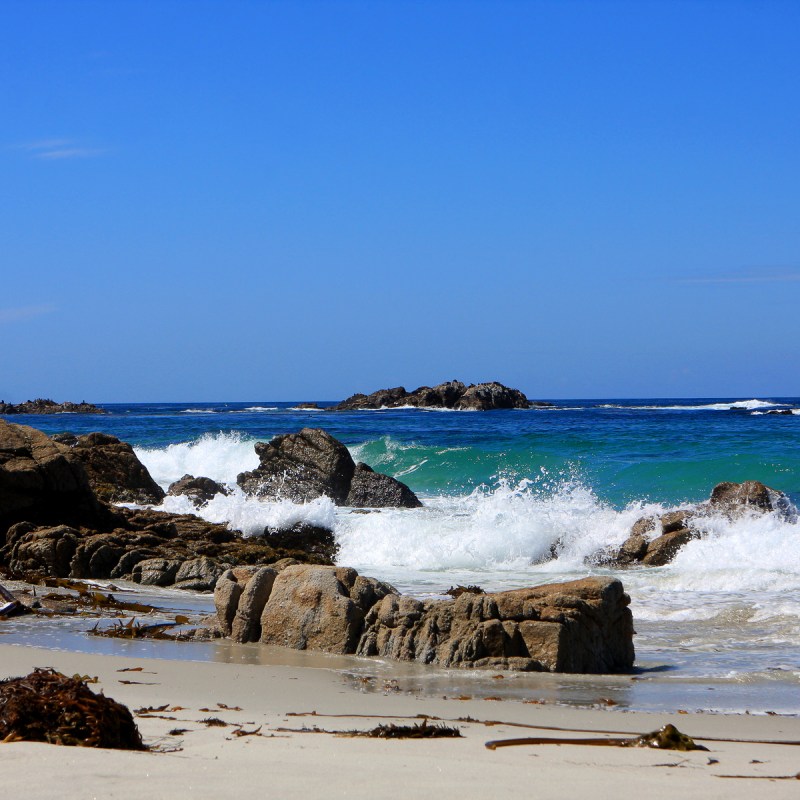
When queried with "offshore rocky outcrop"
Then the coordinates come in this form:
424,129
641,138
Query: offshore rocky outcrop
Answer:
52,522
43,406
312,463
580,626
655,540
453,394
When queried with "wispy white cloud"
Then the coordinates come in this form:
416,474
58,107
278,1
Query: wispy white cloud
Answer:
55,149
767,277
9,315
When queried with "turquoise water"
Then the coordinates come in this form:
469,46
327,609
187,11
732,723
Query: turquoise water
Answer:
500,489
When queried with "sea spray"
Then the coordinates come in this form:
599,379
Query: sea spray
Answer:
251,515
220,456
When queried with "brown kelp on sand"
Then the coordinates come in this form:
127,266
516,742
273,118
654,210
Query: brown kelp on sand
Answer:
46,706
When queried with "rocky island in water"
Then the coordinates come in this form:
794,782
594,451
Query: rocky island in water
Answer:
452,394
46,406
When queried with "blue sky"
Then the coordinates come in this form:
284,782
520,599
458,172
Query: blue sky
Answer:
298,200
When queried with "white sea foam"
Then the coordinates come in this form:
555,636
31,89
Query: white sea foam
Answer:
198,411
744,405
251,515
220,456
254,409
416,408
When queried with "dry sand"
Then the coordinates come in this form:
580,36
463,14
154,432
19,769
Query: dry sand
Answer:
213,762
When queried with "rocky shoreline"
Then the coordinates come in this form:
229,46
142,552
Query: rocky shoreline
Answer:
283,587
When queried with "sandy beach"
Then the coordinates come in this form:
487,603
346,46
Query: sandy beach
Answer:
208,761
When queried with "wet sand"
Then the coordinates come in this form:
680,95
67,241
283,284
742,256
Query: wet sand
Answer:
207,761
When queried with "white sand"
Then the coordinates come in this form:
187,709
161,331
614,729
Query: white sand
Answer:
212,762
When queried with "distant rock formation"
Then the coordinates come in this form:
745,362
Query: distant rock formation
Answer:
42,406
654,541
581,626
312,463
453,394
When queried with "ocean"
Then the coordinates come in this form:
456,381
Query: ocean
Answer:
718,629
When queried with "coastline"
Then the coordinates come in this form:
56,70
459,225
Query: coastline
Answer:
211,760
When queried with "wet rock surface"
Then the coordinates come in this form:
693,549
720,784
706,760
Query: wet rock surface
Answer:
153,548
655,541
114,470
453,394
312,463
582,626
41,482
52,522
376,490
199,490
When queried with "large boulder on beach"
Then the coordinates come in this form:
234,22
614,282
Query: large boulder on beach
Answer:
655,540
312,463
582,626
40,480
114,470
319,608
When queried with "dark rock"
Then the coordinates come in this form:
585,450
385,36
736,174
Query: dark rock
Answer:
309,464
308,406
156,571
453,394
665,547
69,439
198,574
47,551
114,470
42,406
301,466
654,541
370,489
310,539
52,524
383,398
198,490
786,412
734,499
41,482
491,396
